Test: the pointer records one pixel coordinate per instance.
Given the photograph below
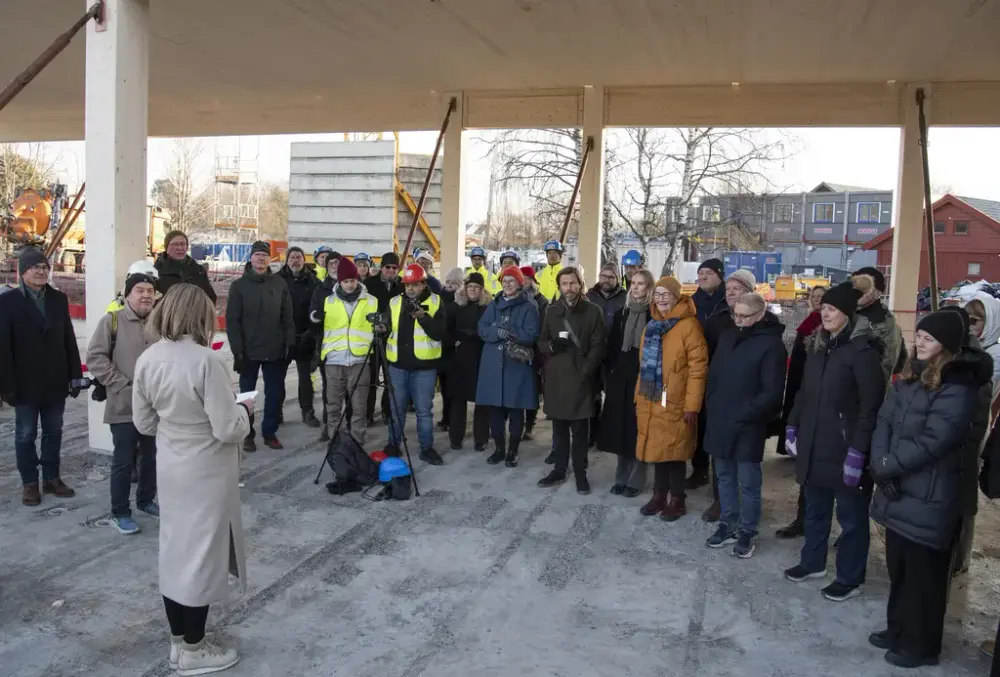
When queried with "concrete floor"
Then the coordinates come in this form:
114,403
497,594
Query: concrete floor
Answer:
483,574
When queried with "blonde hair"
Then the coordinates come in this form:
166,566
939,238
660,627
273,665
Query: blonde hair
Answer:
650,283
186,310
930,376
863,283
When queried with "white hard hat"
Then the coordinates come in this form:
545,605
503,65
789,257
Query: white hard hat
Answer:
143,267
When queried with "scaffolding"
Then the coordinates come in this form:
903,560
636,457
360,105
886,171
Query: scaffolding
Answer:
237,189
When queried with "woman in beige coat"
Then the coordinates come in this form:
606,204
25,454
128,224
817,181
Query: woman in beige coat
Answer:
183,395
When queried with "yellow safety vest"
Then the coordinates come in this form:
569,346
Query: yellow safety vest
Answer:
490,282
424,348
341,333
548,285
115,306
320,273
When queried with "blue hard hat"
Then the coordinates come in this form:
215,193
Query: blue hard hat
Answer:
510,254
321,249
477,251
553,245
361,256
391,468
416,251
632,258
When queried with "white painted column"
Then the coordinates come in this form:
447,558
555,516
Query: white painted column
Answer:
452,226
117,94
907,218
592,188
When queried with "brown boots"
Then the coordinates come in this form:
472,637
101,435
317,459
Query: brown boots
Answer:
675,509
669,508
656,505
31,496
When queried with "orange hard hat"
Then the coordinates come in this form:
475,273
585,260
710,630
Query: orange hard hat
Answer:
414,273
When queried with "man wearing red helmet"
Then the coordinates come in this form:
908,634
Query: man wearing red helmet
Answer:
413,350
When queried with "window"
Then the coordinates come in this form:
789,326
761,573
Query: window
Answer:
974,268
711,213
939,227
869,212
823,212
961,228
784,213
674,215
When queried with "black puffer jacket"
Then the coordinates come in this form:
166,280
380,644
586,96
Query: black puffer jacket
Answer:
919,446
842,390
301,288
187,271
746,379
717,325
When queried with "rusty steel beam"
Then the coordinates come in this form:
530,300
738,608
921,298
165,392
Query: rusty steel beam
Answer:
589,146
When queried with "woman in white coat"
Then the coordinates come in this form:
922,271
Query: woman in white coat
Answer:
182,394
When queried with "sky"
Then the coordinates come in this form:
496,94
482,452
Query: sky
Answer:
963,160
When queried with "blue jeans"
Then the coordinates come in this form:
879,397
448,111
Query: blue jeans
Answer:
274,392
852,515
128,441
26,418
416,385
739,493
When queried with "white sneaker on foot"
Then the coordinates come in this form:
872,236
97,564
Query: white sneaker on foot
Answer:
176,642
205,657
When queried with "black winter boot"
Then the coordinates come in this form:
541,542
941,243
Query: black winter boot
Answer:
511,459
500,453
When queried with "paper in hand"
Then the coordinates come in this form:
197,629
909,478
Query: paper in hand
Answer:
243,397
790,447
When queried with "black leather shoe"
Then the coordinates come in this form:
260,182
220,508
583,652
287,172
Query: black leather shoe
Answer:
431,457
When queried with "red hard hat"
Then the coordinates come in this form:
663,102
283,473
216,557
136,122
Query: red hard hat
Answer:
414,273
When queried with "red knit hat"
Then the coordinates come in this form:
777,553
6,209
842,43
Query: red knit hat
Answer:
346,270
514,272
529,271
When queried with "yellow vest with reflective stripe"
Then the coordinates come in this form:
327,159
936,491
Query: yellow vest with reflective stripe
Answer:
320,273
343,333
490,282
547,283
424,348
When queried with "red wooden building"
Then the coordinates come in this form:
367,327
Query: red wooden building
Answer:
967,238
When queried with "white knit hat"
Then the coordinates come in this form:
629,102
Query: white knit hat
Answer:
745,278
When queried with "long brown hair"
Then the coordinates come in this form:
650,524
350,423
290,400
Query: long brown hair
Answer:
186,310
930,375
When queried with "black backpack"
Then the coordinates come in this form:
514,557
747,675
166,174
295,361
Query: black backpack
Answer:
353,468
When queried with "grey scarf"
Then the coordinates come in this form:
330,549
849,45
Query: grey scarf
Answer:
635,323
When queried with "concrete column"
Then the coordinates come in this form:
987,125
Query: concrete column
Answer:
452,226
907,219
116,109
592,188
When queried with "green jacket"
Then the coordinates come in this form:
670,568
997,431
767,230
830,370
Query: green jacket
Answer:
889,335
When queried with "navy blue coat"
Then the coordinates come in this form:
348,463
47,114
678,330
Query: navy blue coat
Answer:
504,382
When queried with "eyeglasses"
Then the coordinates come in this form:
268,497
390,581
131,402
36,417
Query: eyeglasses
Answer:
665,295
390,267
741,316
39,268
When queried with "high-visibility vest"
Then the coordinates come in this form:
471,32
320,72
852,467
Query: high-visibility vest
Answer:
490,282
424,348
343,333
320,273
115,306
548,285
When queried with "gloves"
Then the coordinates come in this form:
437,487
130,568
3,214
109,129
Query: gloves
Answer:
74,392
558,345
854,467
791,439
890,488
289,354
505,334
238,364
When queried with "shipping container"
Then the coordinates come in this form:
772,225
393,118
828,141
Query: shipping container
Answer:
731,261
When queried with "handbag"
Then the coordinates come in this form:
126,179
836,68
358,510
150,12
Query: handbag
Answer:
518,353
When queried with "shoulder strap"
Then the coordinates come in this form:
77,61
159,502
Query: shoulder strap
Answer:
114,331
572,334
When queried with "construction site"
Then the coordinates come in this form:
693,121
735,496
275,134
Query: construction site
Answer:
481,571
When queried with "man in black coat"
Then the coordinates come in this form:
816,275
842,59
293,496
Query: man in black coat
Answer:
302,283
746,380
384,287
39,367
830,429
608,295
174,266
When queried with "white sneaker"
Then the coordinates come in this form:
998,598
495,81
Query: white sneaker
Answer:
205,657
176,641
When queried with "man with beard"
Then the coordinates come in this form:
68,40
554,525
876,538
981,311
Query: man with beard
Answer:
174,266
302,283
608,295
118,341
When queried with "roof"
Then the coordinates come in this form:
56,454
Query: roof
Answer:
988,208
827,187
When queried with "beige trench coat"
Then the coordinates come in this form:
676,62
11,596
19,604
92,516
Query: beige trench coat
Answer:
182,394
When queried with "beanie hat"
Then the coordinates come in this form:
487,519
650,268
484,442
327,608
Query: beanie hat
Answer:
424,255
844,297
173,235
291,250
475,278
346,270
137,278
456,275
260,247
966,320
335,255
514,272
390,259
946,327
613,267
716,266
30,257
529,271
877,277
670,284
745,278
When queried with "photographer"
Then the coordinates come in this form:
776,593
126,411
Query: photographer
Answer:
385,286
118,341
347,338
413,350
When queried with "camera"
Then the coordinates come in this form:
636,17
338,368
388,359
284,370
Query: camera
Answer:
380,322
410,305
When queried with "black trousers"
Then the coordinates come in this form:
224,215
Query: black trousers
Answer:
995,665
918,594
498,426
459,417
188,621
445,397
373,391
570,437
304,368
670,476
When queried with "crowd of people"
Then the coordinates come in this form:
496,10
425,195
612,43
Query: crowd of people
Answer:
634,366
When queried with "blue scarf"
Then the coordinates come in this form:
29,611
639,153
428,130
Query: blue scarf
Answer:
651,360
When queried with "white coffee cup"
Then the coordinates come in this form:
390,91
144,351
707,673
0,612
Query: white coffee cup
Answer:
564,334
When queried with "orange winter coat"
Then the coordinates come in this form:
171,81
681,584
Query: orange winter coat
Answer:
663,435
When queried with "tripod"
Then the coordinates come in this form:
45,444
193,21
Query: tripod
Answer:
375,351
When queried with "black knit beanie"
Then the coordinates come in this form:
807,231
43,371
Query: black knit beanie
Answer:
260,246
136,278
966,320
390,259
946,327
475,278
716,266
844,297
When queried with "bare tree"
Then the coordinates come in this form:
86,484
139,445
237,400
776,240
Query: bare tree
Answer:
23,166
273,223
182,190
